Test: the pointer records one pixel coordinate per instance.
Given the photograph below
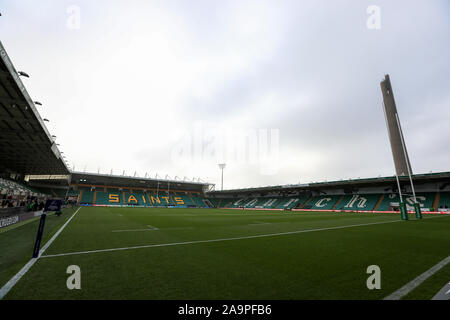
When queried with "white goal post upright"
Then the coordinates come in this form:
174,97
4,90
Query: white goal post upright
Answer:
402,206
416,204
398,145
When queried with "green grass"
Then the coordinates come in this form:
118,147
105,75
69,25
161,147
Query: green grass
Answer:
325,264
17,242
431,286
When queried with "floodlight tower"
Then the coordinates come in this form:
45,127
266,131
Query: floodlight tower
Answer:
398,146
221,167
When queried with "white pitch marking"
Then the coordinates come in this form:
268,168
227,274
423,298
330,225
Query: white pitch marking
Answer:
407,288
132,230
57,233
258,223
8,286
12,282
218,240
178,228
150,228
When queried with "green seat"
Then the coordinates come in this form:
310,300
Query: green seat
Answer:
324,202
359,202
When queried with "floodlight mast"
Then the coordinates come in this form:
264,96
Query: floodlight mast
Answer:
398,146
221,167
404,214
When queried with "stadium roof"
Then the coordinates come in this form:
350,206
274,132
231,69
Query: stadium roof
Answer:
350,183
98,179
26,146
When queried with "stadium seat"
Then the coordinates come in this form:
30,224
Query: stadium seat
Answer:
87,197
324,202
425,199
444,201
358,202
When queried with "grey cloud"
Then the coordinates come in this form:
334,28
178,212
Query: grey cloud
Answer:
312,71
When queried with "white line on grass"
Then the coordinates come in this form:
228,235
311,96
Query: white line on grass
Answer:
217,240
150,228
132,230
12,282
258,223
178,228
49,242
407,288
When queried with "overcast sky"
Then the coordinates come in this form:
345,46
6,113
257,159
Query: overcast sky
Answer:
281,91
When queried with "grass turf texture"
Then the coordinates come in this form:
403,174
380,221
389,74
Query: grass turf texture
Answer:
17,242
326,264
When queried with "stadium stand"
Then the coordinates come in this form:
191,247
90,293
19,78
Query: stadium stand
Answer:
182,198
15,188
254,203
160,199
135,198
388,198
291,202
198,200
150,198
444,200
325,202
259,202
358,202
108,198
73,193
87,196
14,194
238,203
425,199
266,203
215,202
130,196
225,203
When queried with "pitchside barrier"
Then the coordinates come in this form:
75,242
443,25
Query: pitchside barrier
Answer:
130,206
9,220
348,211
444,211
139,206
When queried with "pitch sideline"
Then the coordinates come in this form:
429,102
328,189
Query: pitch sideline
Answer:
12,282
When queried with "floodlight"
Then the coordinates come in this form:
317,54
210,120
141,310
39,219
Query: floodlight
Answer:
23,74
